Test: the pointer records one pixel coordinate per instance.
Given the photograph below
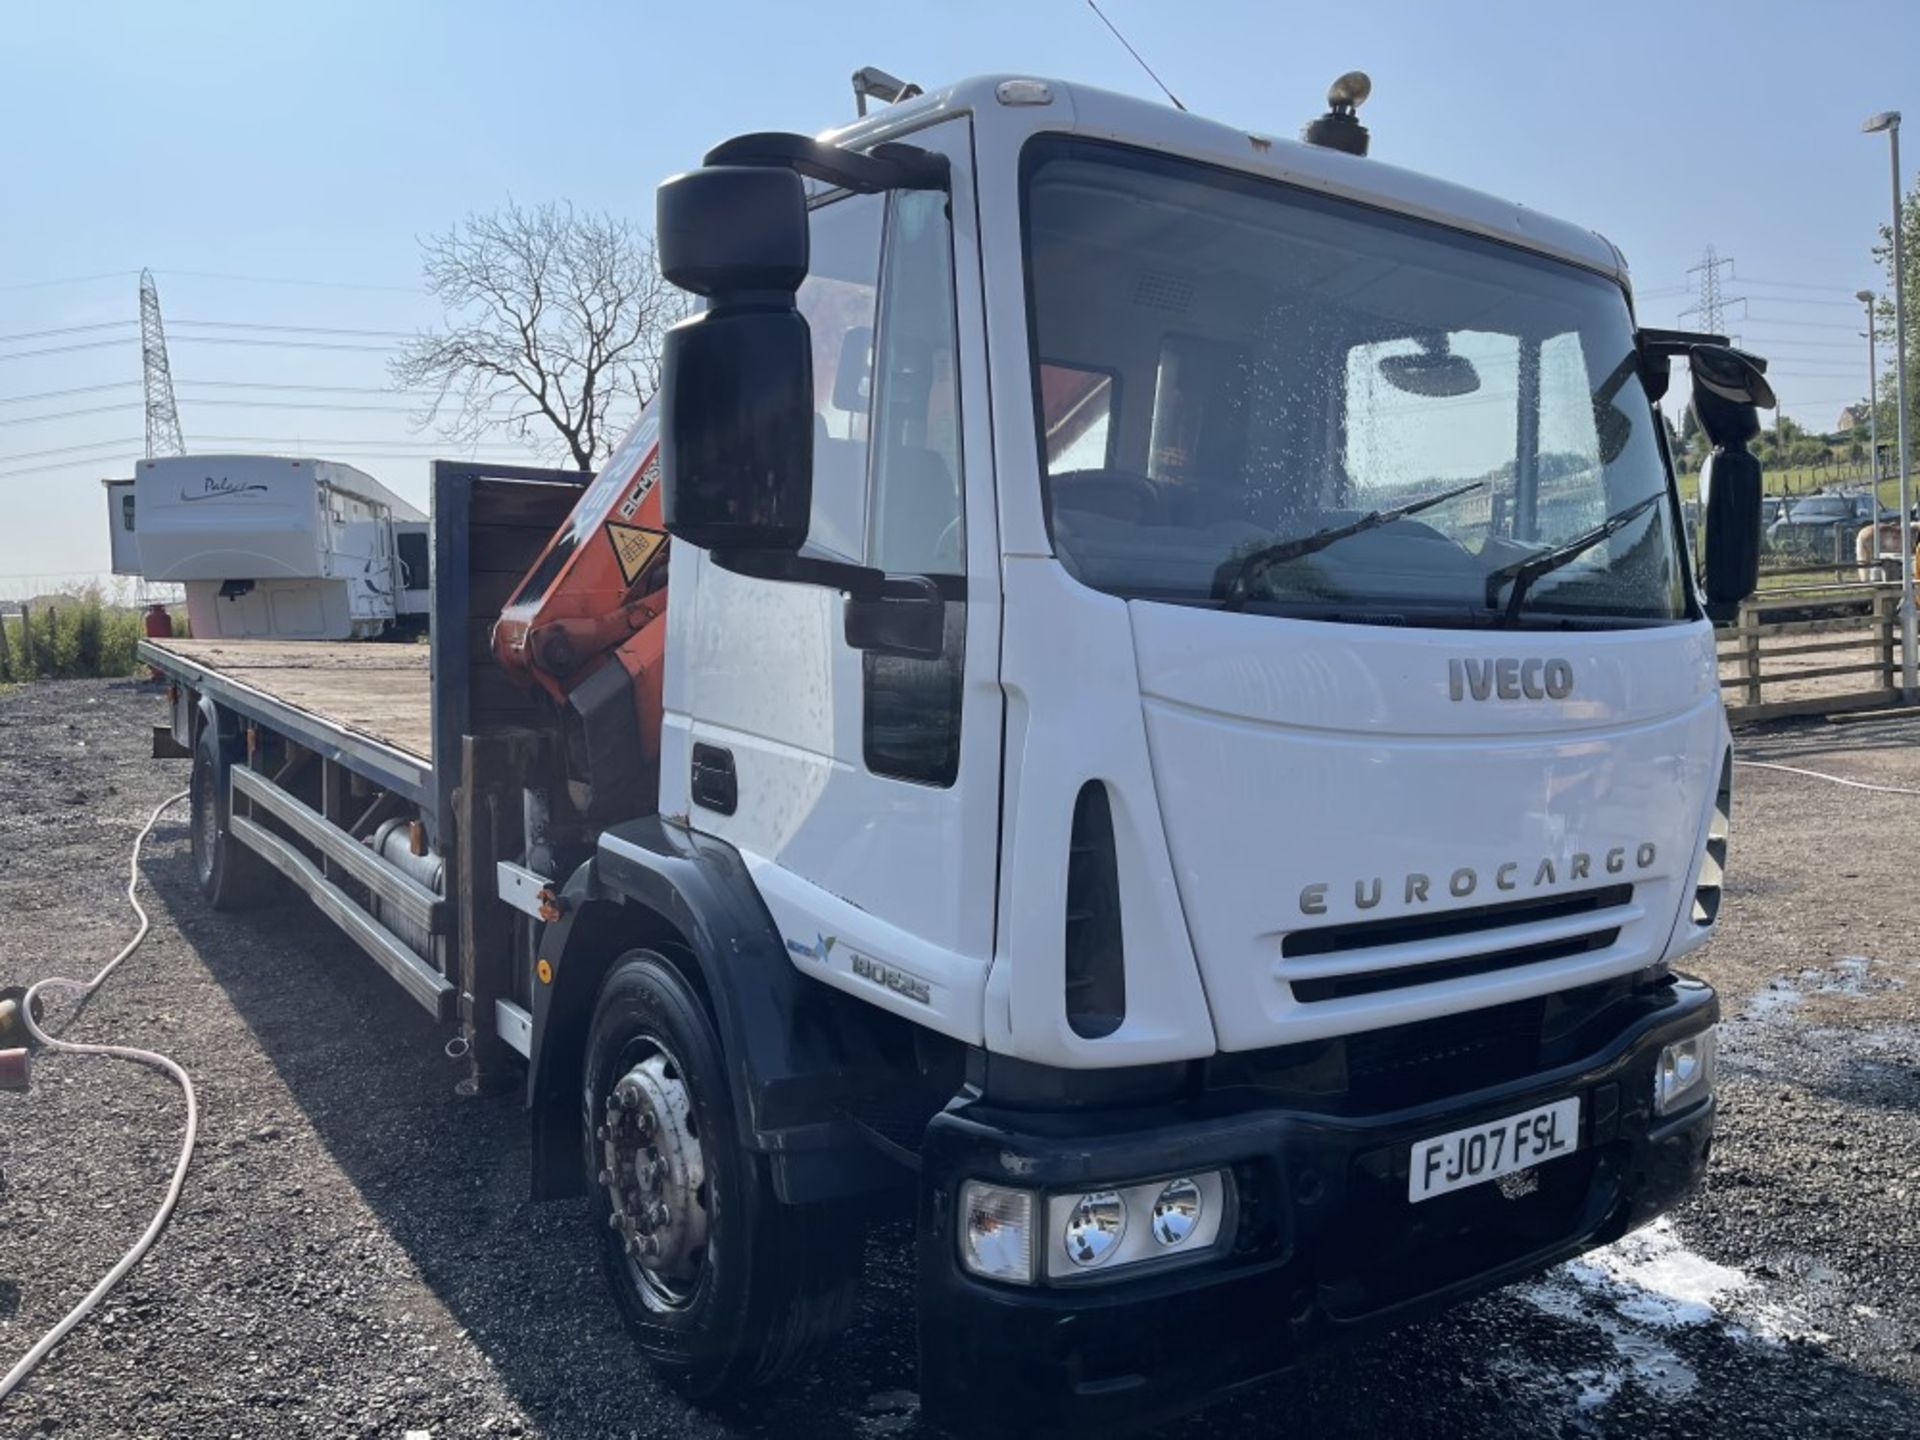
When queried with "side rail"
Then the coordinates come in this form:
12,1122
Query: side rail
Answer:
336,869
361,854
1815,651
337,814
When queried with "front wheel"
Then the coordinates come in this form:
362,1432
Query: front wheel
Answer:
724,1287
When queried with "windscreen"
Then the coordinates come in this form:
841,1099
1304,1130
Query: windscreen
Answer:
1252,395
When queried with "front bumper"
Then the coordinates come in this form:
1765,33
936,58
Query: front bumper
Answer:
1323,1243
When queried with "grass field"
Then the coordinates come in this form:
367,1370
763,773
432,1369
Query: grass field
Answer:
85,634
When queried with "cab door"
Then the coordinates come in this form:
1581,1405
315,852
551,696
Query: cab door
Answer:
862,789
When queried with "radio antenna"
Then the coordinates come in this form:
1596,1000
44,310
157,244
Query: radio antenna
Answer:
1136,55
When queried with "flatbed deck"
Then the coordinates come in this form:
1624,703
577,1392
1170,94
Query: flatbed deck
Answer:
366,703
378,689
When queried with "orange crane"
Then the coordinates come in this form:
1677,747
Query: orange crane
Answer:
597,596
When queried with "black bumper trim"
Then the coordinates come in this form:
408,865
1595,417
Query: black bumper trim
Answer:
1325,1245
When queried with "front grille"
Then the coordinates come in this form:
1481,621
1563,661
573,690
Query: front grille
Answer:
1371,982
1494,922
1449,1054
1403,929
1371,1072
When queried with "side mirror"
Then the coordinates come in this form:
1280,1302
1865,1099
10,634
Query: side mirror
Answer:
736,385
1731,519
1729,389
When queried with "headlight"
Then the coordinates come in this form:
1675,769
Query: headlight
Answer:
1095,1227
996,1231
1105,1230
1176,1214
1686,1072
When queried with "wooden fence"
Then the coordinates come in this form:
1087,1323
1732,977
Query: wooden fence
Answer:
1781,639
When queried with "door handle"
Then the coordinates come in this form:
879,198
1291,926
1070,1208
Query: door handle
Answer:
715,786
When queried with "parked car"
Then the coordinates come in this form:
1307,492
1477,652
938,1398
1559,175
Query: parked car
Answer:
1822,526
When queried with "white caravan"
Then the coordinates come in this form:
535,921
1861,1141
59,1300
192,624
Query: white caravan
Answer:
271,547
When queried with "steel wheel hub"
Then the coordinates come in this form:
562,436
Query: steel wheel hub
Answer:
655,1174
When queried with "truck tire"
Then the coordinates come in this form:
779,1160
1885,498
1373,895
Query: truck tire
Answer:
231,876
723,1287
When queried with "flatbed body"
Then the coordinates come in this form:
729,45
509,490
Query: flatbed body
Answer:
378,693
367,705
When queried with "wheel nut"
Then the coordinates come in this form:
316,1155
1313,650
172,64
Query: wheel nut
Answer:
604,1178
659,1216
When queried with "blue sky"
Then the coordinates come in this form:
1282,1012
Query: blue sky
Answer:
315,143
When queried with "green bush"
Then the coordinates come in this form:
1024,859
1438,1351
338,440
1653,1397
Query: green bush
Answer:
81,635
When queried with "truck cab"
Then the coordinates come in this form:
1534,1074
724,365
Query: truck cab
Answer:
1195,628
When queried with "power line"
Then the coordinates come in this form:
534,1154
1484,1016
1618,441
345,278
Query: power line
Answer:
281,280
202,340
70,414
70,449
302,405
1798,300
295,329
1798,344
1795,285
493,452
276,344
314,389
68,280
69,349
198,400
66,330
202,325
441,445
183,382
70,390
1799,324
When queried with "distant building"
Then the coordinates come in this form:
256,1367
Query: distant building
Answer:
1852,418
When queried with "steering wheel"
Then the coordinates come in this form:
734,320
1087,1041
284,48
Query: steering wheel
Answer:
1116,494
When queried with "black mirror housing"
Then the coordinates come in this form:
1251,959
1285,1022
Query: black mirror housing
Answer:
731,229
736,381
736,384
1729,389
736,429
1731,483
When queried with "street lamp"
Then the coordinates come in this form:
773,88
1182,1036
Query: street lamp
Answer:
1866,297
1889,121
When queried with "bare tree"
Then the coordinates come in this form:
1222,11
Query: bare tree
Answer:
554,320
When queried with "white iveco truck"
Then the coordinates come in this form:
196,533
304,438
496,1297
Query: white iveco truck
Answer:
1185,742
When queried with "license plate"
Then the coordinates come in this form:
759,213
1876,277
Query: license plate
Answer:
1486,1152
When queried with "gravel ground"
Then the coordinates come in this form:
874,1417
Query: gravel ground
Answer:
355,1256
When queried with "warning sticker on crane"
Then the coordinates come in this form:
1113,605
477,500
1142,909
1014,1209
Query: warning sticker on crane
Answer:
632,547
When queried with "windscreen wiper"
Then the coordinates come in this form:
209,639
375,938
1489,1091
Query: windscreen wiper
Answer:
1524,572
1282,551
